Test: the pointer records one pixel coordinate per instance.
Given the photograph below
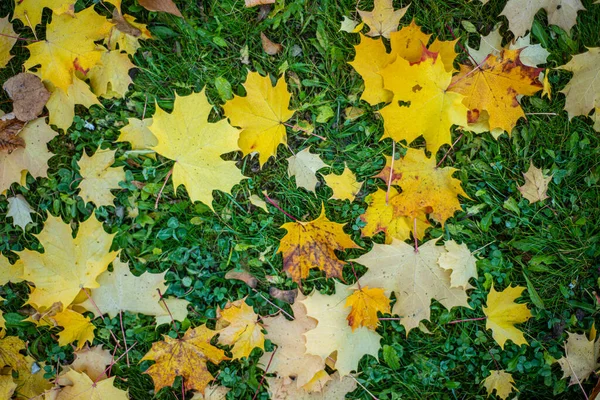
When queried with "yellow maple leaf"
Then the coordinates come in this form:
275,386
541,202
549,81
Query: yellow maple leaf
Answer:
333,332
185,357
30,382
92,361
196,145
137,133
536,184
425,187
581,357
409,42
290,361
7,386
414,276
10,272
10,356
29,12
61,104
493,87
421,97
110,77
238,325
365,304
583,90
79,386
128,37
33,158
501,381
76,328
384,215
8,38
99,177
447,51
69,47
312,244
503,313
383,20
261,115
344,186
68,264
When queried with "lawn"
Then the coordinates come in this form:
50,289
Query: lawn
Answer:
550,247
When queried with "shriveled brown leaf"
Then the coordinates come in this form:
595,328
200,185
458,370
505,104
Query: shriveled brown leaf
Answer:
269,47
288,296
254,3
161,5
28,94
123,26
243,276
9,129
263,12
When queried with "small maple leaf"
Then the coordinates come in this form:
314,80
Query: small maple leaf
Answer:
312,244
261,115
185,357
492,88
20,211
238,325
344,186
581,357
461,261
76,328
61,104
99,177
414,276
196,145
583,90
79,386
304,166
503,313
383,20
67,265
501,381
520,13
110,78
10,348
333,332
366,303
536,184
92,361
137,133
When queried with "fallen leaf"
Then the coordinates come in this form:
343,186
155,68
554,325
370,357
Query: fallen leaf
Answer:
581,357
536,184
344,186
33,158
493,87
503,313
10,352
520,13
137,133
383,19
238,325
348,25
501,381
290,361
61,104
414,276
261,115
8,38
583,90
76,328
333,334
98,177
258,202
110,78
186,136
161,5
7,386
334,389
313,244
270,47
126,34
92,361
243,276
20,211
31,383
10,127
212,392
83,388
409,42
463,264
29,12
68,264
304,166
366,303
185,357
254,3
10,272
28,94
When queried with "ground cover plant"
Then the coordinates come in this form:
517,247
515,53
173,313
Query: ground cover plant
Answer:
299,200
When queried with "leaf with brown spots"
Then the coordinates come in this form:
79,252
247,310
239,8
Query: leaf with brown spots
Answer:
493,87
9,130
312,245
365,303
185,357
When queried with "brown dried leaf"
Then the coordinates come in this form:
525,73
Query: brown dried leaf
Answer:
254,3
9,129
243,276
287,296
161,5
123,26
269,47
28,94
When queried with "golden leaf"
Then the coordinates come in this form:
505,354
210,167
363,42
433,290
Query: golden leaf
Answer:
137,133
365,304
92,361
238,325
383,20
29,12
344,186
503,313
99,177
501,381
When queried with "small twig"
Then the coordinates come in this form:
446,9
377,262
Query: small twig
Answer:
31,26
100,313
296,127
356,277
163,187
18,38
113,363
389,183
541,114
274,204
124,338
466,320
265,374
460,44
273,304
364,388
145,105
448,152
390,319
169,311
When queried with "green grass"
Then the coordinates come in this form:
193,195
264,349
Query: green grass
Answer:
554,243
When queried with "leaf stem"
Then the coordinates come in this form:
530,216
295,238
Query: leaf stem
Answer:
466,320
448,151
296,127
389,182
163,188
274,204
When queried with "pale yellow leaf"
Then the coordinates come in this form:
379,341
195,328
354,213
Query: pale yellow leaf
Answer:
99,177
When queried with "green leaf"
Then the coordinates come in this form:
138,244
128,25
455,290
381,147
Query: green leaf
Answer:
533,294
391,357
224,88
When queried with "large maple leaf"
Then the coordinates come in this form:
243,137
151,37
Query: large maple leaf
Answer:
69,47
421,96
238,325
414,276
492,88
67,265
196,146
261,114
61,104
185,357
583,90
333,332
312,245
581,357
520,13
